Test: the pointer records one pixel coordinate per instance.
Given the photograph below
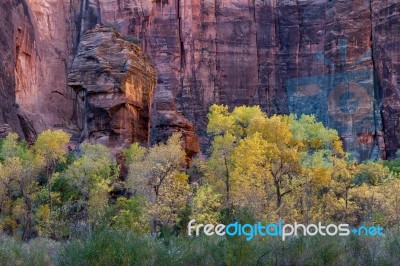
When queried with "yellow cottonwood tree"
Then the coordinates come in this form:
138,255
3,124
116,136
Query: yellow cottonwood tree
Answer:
18,178
156,174
264,159
221,163
227,128
52,146
283,152
252,180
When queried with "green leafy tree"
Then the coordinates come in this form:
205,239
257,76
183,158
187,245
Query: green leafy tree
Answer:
372,173
206,205
394,165
90,177
129,214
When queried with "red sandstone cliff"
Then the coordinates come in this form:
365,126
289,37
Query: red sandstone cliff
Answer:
114,83
337,59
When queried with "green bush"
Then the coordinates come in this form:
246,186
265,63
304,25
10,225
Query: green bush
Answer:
121,248
111,248
112,25
132,39
114,247
37,252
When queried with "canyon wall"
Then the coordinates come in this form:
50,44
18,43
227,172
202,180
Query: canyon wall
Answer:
8,108
42,44
37,49
41,40
336,59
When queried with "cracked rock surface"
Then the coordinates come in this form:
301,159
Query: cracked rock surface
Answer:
336,59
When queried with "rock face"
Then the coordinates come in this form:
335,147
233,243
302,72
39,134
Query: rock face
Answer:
386,46
168,121
36,48
337,59
114,84
8,107
42,52
5,129
316,57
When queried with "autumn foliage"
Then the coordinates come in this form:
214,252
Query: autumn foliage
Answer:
258,167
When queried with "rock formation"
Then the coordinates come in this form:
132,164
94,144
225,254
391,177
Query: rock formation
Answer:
8,107
325,58
168,121
336,59
385,21
114,84
5,129
38,48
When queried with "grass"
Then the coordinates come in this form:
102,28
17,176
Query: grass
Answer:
124,248
37,252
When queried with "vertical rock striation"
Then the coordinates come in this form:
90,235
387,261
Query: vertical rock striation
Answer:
336,59
114,85
42,45
8,107
385,21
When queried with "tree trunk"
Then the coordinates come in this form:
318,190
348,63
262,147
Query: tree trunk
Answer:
27,230
278,194
49,171
227,185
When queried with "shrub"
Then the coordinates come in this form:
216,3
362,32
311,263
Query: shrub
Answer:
132,39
